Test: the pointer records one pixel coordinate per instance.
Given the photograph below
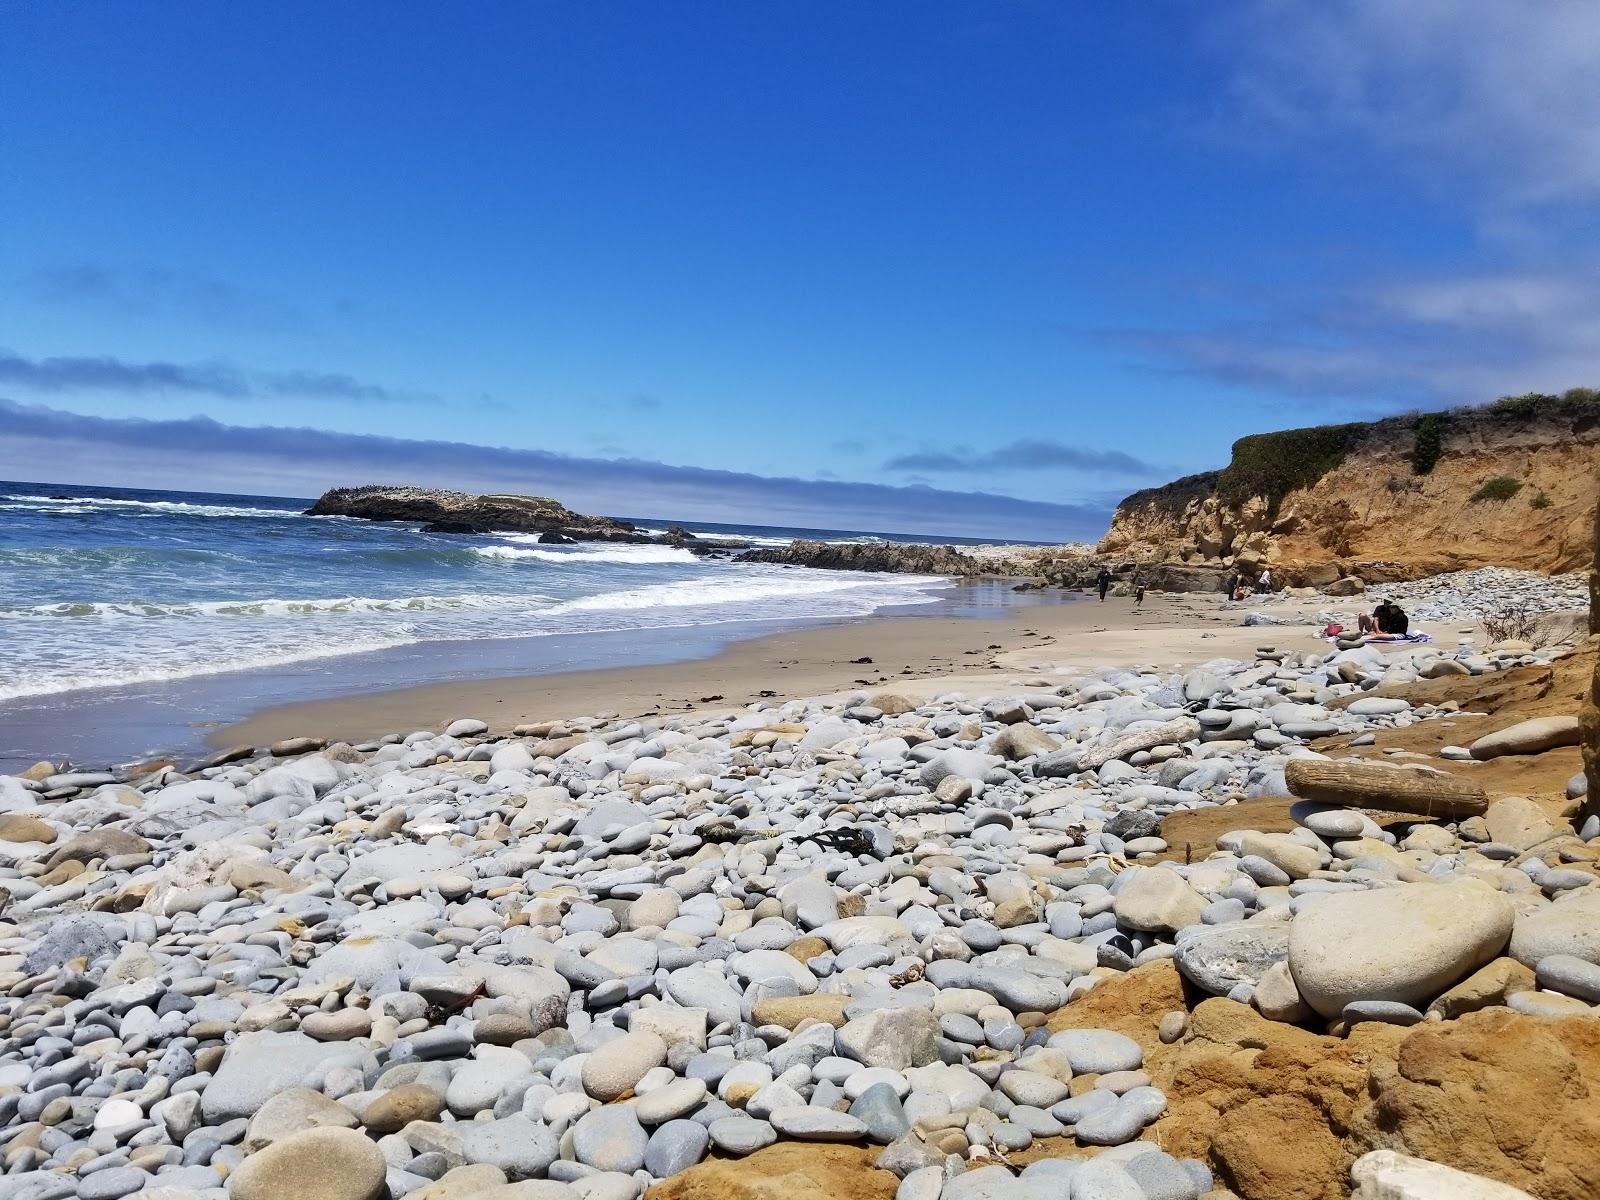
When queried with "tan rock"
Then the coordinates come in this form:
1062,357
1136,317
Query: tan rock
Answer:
1519,822
1528,737
315,1164
789,1011
20,827
1023,741
290,1112
98,843
1487,986
470,1182
392,1111
1289,854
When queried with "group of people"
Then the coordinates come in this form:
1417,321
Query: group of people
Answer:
1388,617
1103,583
1239,585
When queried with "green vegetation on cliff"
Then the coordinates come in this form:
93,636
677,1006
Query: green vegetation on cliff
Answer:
1271,465
1274,464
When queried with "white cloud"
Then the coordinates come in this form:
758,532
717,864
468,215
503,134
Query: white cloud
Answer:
1499,95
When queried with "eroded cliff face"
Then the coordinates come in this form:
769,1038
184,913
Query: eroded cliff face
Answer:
1374,514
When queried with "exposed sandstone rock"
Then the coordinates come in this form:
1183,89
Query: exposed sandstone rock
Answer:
1346,516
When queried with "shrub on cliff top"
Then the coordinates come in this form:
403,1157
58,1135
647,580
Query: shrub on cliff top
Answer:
1501,487
1274,464
1427,441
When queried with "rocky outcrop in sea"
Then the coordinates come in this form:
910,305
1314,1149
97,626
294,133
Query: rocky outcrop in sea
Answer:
442,511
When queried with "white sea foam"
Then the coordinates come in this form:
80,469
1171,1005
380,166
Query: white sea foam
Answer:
90,504
742,590
610,554
272,607
54,681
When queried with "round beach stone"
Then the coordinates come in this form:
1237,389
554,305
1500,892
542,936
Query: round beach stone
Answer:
1156,900
810,1124
291,1111
1406,943
1570,925
316,1164
393,1110
613,1069
1031,1087
741,1135
676,1146
1571,976
1529,737
610,1139
1098,1051
676,1099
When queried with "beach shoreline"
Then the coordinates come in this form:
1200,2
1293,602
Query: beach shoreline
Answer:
917,655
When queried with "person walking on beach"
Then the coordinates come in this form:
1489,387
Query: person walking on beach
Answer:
1104,583
1138,591
1264,584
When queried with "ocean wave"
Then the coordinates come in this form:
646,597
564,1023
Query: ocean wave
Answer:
27,684
81,557
695,592
270,607
90,504
610,554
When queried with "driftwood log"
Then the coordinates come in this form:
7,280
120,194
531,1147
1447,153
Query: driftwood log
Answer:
1168,733
1393,789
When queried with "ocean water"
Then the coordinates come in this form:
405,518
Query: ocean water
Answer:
111,588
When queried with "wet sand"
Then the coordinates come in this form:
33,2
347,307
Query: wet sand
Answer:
912,655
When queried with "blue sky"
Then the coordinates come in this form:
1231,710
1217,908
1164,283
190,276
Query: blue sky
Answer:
944,267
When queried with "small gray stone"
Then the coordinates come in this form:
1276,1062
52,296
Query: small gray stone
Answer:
1387,1012
1103,1179
741,1135
1098,1051
112,1183
880,1110
675,1146
1571,976
811,1124
1162,1177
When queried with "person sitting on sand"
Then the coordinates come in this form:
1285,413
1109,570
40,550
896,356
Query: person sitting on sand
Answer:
1104,583
1395,620
1368,622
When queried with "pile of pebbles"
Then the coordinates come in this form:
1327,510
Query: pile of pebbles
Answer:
445,965
1470,595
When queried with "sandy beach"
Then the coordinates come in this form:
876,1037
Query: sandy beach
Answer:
917,656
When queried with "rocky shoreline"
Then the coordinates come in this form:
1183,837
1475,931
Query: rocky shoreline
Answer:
981,942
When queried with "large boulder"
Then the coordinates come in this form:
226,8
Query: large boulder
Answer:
1528,737
1406,943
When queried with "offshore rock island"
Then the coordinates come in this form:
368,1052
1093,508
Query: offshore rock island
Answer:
442,511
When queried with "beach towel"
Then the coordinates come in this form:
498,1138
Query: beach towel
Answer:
1414,637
